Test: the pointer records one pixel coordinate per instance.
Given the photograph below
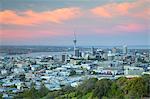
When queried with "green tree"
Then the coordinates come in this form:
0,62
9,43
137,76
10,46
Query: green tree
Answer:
101,88
43,91
22,77
115,92
31,94
122,83
135,87
1,96
87,86
67,89
146,79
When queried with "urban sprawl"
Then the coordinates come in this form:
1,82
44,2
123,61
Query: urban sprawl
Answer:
19,73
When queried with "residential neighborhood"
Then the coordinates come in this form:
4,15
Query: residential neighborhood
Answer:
20,73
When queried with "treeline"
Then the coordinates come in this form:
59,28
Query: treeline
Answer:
32,93
122,88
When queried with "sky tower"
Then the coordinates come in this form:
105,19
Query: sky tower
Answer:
76,50
74,41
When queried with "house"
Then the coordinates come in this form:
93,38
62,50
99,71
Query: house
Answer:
75,84
19,70
35,67
3,71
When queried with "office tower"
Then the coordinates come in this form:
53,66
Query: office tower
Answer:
125,49
114,50
110,56
83,54
77,52
97,56
80,54
93,51
63,57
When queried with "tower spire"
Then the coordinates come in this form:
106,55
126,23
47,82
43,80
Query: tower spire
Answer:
76,50
75,40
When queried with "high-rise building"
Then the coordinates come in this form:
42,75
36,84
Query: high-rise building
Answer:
77,52
125,49
110,56
93,51
64,56
114,50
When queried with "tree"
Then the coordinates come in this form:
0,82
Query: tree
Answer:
67,89
146,79
22,77
31,93
101,88
115,92
43,91
135,87
87,86
121,83
72,72
93,88
1,96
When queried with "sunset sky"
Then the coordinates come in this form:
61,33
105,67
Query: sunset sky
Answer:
96,22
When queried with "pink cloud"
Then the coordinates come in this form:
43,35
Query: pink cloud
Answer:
112,10
145,14
133,27
100,11
122,28
102,30
30,17
23,34
26,34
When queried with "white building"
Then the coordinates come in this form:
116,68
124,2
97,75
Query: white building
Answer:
4,71
130,70
125,49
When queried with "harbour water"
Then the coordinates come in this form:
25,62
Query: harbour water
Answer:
37,54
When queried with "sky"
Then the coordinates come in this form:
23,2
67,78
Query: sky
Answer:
95,22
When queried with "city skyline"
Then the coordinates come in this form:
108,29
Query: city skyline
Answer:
96,22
